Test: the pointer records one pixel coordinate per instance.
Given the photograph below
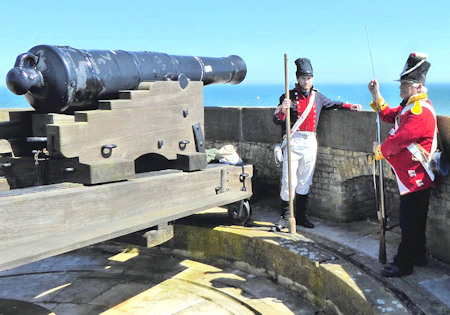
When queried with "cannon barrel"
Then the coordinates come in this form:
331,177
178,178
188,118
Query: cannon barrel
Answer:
61,79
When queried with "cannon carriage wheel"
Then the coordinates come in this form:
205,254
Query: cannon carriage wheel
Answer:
240,212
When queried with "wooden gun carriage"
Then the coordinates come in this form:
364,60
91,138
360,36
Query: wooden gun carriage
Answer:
98,166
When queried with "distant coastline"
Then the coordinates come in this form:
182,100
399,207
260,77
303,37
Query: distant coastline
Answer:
267,95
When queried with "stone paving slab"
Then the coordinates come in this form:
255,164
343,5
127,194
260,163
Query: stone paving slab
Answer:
440,287
154,282
77,309
84,290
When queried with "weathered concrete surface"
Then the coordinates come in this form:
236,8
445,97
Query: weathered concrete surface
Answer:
108,279
342,188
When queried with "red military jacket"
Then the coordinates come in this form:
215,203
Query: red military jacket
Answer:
300,102
414,123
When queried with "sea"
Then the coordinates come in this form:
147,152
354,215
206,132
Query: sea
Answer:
267,95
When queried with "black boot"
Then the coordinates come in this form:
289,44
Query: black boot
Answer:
392,270
283,222
300,211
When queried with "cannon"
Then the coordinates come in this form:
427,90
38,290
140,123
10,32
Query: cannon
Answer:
62,79
104,115
115,145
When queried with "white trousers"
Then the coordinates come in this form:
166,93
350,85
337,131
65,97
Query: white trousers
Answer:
303,161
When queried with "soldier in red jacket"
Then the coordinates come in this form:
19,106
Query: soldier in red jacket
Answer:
408,148
306,104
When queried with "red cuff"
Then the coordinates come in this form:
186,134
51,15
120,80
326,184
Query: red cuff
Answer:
281,116
346,105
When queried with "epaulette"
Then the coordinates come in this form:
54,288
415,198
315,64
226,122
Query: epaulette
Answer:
416,109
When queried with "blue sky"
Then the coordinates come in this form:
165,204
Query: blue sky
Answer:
330,33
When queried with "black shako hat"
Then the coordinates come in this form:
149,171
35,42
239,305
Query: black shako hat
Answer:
415,69
304,67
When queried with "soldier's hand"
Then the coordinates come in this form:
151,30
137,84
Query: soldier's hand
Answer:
285,105
356,107
373,84
374,89
374,146
377,151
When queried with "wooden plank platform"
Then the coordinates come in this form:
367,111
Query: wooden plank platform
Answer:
48,220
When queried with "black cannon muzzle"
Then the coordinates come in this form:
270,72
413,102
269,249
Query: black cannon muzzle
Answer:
61,79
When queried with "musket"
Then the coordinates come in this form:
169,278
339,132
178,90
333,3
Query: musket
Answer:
292,224
381,209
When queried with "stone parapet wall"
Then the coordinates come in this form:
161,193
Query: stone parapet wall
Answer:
343,186
343,183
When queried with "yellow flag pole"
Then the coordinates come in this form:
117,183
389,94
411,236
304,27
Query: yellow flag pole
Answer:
292,225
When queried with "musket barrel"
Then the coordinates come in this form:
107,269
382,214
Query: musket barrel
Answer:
61,79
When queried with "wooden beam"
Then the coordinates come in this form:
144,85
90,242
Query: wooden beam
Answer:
42,221
191,161
134,125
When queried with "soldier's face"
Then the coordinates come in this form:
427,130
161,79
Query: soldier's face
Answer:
408,89
305,82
